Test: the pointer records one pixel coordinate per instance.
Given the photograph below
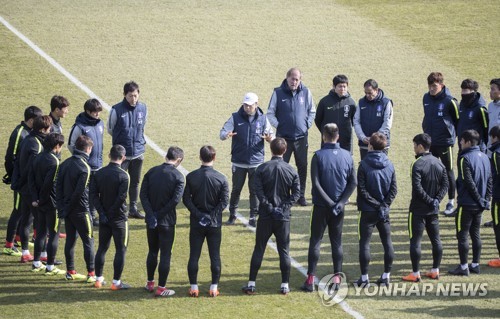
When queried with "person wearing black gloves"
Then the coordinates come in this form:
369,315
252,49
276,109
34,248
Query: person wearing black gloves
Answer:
474,187
429,184
495,169
333,181
161,191
108,192
377,190
206,195
72,198
277,186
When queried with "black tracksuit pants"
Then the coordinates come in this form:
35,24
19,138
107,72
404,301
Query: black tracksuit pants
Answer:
160,239
496,222
321,218
238,179
197,236
367,221
281,231
134,168
416,225
445,154
14,219
48,224
468,221
80,222
299,149
28,218
119,232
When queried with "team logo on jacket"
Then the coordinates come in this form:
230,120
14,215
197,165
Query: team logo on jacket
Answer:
140,118
346,110
379,110
471,115
301,100
101,130
440,109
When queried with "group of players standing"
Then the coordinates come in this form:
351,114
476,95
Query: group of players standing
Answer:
80,186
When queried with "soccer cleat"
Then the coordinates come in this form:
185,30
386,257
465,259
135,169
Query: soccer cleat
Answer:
56,262
412,278
307,287
302,202
13,251
37,269
164,292
284,290
335,282
474,270
136,214
26,258
150,286
362,283
121,286
249,290
100,283
91,279
488,224
75,276
384,282
55,271
495,263
459,271
449,211
432,274
231,220
193,293
213,293
252,222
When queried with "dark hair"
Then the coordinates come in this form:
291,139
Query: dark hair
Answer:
31,112
92,105
52,140
423,139
378,141
495,131
289,72
41,123
469,84
495,82
207,153
371,83
471,136
58,102
330,131
117,152
174,153
82,142
130,87
340,78
278,146
435,77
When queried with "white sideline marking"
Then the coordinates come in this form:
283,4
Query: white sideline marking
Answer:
150,142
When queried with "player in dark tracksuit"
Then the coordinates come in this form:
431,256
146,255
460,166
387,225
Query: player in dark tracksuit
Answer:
42,191
473,112
161,191
495,206
334,180
108,190
72,197
377,190
277,186
474,186
429,181
440,120
16,137
29,148
206,195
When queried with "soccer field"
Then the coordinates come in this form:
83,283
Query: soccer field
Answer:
194,60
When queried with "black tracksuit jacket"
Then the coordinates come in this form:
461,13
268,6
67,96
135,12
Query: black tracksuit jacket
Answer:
42,178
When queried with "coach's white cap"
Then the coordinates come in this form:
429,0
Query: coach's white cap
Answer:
250,98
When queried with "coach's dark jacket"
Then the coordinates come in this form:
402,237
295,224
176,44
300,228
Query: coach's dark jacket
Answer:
277,185
129,127
161,191
108,191
206,195
41,181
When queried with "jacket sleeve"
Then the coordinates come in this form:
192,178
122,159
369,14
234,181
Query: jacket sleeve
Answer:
188,202
31,184
362,190
95,198
174,200
388,116
350,187
469,181
73,136
295,193
81,183
453,111
393,190
227,128
259,189
320,113
111,121
484,123
416,181
9,154
61,210
445,184
223,197
144,195
48,184
311,109
495,166
357,125
122,193
271,111
317,185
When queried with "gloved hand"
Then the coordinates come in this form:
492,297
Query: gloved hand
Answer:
485,204
435,204
7,179
277,213
205,221
103,219
383,213
151,221
338,209
270,208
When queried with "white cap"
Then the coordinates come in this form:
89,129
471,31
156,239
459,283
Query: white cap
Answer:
250,98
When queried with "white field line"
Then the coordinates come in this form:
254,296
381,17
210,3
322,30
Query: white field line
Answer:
150,142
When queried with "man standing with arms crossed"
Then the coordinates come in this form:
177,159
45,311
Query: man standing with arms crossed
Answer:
126,124
247,128
161,191
291,111
333,180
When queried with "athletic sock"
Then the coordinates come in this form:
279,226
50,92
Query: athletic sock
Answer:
117,282
310,279
26,252
251,284
284,285
43,254
435,270
100,278
37,264
386,275
464,266
416,274
194,287
50,267
474,264
364,277
213,287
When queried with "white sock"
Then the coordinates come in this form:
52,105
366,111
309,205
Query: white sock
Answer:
26,252
213,287
194,287
284,285
37,264
43,254
464,266
435,270
416,274
100,278
364,277
451,201
251,283
117,282
386,275
474,264
50,267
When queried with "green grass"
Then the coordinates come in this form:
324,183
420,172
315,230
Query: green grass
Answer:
194,61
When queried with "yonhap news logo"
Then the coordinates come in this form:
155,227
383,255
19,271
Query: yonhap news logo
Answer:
333,288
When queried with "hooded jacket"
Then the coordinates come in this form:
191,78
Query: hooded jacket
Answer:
15,139
474,181
376,182
29,148
474,116
42,179
495,170
92,128
440,117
